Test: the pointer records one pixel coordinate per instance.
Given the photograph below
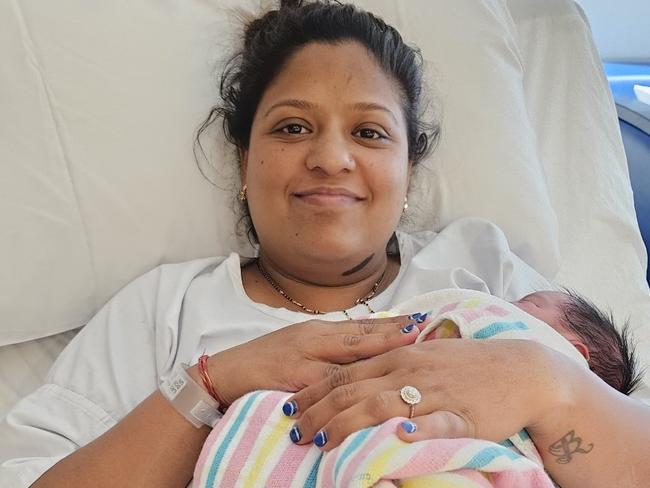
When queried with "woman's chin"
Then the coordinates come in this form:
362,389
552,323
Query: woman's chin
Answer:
335,249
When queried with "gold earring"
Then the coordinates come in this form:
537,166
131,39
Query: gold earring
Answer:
242,193
406,204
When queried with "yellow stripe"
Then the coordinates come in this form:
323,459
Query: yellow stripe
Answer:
377,469
472,303
280,426
440,480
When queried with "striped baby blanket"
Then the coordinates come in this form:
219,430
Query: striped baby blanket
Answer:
250,446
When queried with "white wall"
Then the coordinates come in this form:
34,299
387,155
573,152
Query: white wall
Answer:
621,28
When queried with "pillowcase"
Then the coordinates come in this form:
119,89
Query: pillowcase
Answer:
602,253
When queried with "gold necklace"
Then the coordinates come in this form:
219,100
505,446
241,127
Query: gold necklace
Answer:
363,300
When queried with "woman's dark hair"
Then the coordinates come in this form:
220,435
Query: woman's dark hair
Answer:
269,41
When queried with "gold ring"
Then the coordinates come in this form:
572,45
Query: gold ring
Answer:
411,396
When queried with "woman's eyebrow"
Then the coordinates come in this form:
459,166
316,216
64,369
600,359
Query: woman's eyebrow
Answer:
367,106
291,102
305,105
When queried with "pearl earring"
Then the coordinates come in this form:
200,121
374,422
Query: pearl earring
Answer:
406,204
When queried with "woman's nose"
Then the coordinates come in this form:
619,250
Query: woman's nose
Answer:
331,154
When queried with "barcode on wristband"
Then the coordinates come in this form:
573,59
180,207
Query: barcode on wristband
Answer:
173,386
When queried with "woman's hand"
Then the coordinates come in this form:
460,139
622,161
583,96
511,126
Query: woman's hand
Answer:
302,354
470,388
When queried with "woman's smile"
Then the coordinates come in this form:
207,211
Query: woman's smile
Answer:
328,197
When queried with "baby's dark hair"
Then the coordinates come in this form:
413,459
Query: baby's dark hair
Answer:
270,40
612,355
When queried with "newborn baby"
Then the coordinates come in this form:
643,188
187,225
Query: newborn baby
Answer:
592,332
251,445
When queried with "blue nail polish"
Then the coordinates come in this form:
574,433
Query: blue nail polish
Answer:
408,427
295,434
290,408
415,316
422,318
408,328
320,439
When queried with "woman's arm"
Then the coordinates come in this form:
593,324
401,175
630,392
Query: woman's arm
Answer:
592,435
490,390
154,446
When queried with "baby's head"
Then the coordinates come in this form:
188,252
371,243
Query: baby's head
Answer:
610,354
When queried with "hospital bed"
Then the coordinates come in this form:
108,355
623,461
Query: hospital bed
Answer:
98,181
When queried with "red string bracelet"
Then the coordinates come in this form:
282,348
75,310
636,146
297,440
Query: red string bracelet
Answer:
207,382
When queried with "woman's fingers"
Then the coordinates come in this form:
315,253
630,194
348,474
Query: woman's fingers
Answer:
441,424
310,420
371,339
338,388
370,411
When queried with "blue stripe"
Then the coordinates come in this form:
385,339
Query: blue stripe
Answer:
489,454
311,479
359,439
497,328
523,435
507,444
229,437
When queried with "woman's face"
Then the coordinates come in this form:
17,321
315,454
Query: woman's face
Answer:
327,167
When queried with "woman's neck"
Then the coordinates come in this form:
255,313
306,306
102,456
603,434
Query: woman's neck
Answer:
317,289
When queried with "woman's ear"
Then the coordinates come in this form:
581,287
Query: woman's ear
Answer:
581,347
243,164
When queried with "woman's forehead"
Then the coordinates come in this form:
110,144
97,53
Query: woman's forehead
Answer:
342,74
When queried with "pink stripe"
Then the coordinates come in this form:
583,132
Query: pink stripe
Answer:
448,308
471,314
431,457
482,479
255,421
534,478
212,437
327,468
287,466
496,310
384,430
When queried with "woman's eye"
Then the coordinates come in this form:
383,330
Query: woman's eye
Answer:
294,129
369,134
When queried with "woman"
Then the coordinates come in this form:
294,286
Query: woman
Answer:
322,105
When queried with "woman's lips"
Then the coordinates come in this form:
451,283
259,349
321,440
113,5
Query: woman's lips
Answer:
328,197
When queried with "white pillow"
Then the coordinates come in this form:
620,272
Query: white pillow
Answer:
98,183
602,253
487,163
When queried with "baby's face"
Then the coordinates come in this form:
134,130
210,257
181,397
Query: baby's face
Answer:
546,306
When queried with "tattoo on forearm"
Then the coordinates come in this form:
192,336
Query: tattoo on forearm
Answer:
567,446
359,266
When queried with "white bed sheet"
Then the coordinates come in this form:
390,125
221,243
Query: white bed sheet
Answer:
23,366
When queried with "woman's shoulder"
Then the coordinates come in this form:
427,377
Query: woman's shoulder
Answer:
466,232
174,278
469,253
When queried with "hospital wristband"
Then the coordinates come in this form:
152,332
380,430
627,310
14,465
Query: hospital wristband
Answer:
189,398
